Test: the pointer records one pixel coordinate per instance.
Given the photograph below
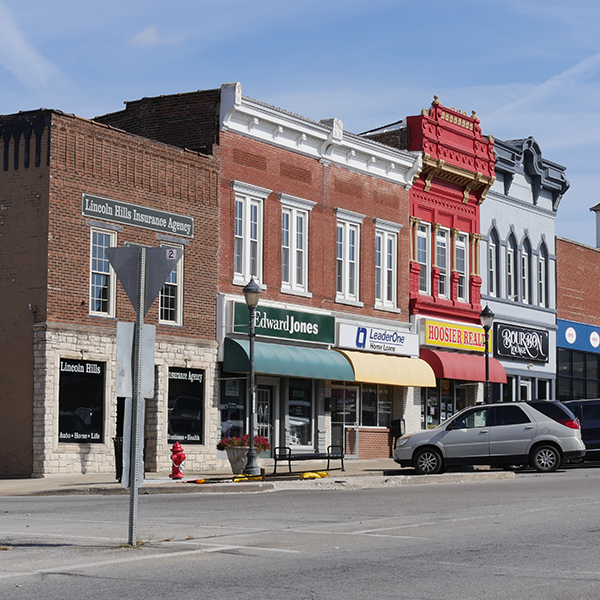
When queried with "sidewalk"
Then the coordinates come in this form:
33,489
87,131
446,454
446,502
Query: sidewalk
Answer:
358,474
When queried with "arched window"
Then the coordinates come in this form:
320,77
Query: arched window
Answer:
493,265
542,278
511,269
526,272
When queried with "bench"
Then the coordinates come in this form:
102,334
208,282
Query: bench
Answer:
284,453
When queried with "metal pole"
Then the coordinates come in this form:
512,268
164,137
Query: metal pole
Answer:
487,367
252,467
136,409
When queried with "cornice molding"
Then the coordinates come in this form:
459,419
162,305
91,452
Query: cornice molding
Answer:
326,141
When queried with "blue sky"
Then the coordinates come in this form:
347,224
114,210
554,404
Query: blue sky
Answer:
528,67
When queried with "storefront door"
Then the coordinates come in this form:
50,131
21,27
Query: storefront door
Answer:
264,414
525,390
344,424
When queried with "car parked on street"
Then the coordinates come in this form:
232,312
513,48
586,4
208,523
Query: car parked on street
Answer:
540,433
588,412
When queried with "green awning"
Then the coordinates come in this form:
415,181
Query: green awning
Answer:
287,361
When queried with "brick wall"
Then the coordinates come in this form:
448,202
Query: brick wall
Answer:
264,165
577,282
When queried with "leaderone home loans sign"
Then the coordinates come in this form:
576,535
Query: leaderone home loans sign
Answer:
139,216
286,324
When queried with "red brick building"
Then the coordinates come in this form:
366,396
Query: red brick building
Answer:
445,283
319,217
63,184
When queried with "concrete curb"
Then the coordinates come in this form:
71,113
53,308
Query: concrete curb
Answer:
333,482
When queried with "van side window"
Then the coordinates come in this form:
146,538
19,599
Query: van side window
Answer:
474,418
591,412
510,415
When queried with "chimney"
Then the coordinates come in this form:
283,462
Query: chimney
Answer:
596,209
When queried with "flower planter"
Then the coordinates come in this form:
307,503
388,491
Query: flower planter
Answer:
238,457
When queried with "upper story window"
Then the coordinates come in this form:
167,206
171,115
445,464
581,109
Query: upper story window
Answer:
526,272
511,271
248,232
347,255
102,276
423,257
386,263
493,266
543,276
462,266
171,294
442,260
294,243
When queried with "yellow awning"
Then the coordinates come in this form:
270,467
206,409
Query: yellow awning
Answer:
389,370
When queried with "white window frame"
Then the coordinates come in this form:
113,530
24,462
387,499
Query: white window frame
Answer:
492,267
462,245
386,264
103,272
348,256
511,274
525,274
249,204
178,285
443,235
297,211
542,278
423,256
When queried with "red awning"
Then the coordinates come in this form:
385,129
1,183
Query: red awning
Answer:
453,365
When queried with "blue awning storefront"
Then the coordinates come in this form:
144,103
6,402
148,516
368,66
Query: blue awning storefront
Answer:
286,361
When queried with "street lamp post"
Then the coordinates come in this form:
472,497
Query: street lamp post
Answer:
487,318
252,294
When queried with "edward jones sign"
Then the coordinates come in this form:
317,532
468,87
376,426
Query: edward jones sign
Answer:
454,335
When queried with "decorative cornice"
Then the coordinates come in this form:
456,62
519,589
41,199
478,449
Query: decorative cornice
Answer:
324,141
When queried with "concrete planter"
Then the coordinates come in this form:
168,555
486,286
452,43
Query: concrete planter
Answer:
238,457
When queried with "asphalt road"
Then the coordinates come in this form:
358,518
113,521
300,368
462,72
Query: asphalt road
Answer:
532,537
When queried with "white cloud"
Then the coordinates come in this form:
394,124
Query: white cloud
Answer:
19,57
150,37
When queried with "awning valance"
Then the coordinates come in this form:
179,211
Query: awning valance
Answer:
287,361
390,370
467,367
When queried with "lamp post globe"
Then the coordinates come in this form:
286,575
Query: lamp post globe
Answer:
252,295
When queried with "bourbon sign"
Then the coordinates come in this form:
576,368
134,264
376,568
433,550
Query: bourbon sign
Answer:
519,342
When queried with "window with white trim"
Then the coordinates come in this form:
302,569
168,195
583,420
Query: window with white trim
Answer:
442,259
248,232
511,272
423,257
386,263
543,276
294,243
462,267
102,275
525,272
171,294
493,270
347,255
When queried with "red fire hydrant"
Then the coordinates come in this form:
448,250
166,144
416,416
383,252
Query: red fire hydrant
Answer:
177,458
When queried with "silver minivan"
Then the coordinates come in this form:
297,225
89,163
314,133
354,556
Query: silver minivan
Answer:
539,433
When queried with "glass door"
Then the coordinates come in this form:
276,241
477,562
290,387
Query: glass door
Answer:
344,424
264,412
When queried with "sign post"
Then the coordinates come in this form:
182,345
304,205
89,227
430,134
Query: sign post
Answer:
142,272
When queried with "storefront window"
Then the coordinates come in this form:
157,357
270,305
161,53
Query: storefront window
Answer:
439,403
233,406
300,412
578,375
81,401
376,406
186,405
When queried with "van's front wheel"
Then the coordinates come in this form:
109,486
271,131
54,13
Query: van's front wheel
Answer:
428,461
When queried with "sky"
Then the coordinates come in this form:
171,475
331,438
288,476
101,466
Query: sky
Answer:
528,67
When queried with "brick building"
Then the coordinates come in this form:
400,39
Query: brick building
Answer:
319,217
445,281
578,312
63,185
